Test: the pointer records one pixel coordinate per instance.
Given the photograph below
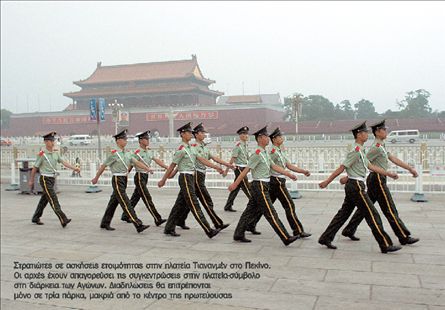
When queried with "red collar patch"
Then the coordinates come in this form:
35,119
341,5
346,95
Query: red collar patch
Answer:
113,151
181,147
378,144
357,148
273,150
258,151
41,153
137,151
238,144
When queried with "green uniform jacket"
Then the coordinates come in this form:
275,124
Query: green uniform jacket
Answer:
42,162
185,157
279,158
356,162
144,156
259,163
118,161
241,153
203,151
378,155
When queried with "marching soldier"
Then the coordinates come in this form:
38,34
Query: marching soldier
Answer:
185,159
46,162
278,187
379,191
202,151
144,155
260,203
240,156
118,161
356,165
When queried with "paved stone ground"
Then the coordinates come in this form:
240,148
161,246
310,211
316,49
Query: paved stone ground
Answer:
302,276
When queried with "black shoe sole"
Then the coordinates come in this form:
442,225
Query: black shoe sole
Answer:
172,233
108,228
160,222
328,245
243,240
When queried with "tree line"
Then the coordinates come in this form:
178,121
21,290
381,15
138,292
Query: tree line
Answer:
316,107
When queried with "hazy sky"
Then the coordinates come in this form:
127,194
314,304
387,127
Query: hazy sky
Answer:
341,50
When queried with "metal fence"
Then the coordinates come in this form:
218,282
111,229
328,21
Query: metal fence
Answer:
319,158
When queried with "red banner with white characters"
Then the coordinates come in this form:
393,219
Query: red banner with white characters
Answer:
182,116
60,120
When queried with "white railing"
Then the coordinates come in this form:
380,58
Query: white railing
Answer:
321,160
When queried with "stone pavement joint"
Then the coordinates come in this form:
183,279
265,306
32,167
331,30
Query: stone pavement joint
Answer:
304,275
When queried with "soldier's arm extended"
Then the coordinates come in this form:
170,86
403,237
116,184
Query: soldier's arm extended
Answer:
381,171
297,169
141,165
99,173
402,164
283,171
232,160
238,180
160,163
222,162
331,178
69,166
31,179
209,164
166,175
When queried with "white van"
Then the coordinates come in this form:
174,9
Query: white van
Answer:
80,140
410,135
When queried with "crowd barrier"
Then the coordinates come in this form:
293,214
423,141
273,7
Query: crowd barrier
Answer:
320,160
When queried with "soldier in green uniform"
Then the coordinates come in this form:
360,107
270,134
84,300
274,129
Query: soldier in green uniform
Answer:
379,191
356,165
240,156
260,203
185,158
144,155
202,151
278,189
46,163
119,161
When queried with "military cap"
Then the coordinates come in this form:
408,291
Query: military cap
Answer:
199,128
276,133
143,135
261,132
359,128
185,128
378,125
242,130
121,135
50,136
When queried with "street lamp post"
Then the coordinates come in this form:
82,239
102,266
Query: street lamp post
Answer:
116,109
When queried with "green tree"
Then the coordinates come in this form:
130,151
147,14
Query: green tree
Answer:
365,109
5,118
346,110
415,104
317,107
